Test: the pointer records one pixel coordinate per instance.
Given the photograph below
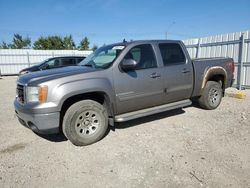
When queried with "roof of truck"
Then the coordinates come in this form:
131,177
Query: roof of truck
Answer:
142,41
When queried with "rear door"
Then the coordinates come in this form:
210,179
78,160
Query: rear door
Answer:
142,87
178,72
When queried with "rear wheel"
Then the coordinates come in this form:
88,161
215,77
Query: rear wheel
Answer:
85,122
211,96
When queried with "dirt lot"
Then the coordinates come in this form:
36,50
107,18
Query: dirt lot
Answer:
181,148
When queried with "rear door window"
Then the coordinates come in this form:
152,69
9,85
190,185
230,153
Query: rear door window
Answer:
68,61
172,54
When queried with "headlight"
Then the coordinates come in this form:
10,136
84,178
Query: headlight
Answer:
37,94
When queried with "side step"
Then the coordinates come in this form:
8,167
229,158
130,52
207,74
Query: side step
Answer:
153,110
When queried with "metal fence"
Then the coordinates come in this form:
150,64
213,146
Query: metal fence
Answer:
234,45
13,60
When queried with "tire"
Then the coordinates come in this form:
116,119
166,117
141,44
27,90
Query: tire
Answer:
211,96
85,122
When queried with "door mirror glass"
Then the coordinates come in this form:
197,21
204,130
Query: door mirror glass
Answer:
128,64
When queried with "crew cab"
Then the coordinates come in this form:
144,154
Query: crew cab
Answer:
117,83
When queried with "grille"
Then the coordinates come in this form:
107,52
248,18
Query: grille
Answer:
20,93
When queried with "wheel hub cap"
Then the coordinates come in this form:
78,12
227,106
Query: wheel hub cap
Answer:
87,123
214,96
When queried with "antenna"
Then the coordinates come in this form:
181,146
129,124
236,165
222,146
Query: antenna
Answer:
169,27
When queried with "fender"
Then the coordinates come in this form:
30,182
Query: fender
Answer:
216,70
66,90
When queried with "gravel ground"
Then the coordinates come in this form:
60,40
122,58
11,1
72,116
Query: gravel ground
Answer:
189,147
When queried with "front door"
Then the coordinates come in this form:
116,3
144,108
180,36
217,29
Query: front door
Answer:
142,87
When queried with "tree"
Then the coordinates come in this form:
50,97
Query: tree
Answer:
49,43
69,43
84,44
4,45
94,47
19,42
40,44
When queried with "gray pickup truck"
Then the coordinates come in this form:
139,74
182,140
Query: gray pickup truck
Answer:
117,83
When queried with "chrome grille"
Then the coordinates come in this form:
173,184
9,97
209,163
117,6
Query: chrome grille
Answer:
20,93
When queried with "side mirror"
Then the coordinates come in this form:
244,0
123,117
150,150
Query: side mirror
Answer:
128,64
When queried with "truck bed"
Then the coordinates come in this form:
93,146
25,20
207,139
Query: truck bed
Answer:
202,65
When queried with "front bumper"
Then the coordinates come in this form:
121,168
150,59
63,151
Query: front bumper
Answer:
42,123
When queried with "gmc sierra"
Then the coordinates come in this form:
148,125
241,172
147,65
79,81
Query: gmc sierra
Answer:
117,83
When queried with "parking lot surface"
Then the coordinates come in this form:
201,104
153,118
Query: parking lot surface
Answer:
188,147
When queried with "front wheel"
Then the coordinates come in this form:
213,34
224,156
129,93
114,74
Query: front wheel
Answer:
211,95
85,122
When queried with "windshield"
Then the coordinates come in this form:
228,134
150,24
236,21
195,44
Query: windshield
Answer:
103,57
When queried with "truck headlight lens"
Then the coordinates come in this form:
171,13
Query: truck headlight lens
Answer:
37,94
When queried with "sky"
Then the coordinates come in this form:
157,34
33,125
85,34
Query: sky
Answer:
109,21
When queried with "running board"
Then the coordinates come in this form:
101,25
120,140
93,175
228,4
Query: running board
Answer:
153,110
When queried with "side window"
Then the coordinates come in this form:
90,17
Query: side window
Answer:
136,53
171,54
68,62
143,55
79,60
52,64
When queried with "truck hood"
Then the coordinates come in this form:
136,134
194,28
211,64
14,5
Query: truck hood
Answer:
46,75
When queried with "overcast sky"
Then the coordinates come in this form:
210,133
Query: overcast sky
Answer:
112,20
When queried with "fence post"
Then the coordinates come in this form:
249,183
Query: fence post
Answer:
241,54
28,58
198,48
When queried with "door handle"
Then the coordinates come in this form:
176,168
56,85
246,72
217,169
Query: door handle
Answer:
185,71
155,75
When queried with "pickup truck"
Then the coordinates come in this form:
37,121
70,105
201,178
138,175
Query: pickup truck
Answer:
117,83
